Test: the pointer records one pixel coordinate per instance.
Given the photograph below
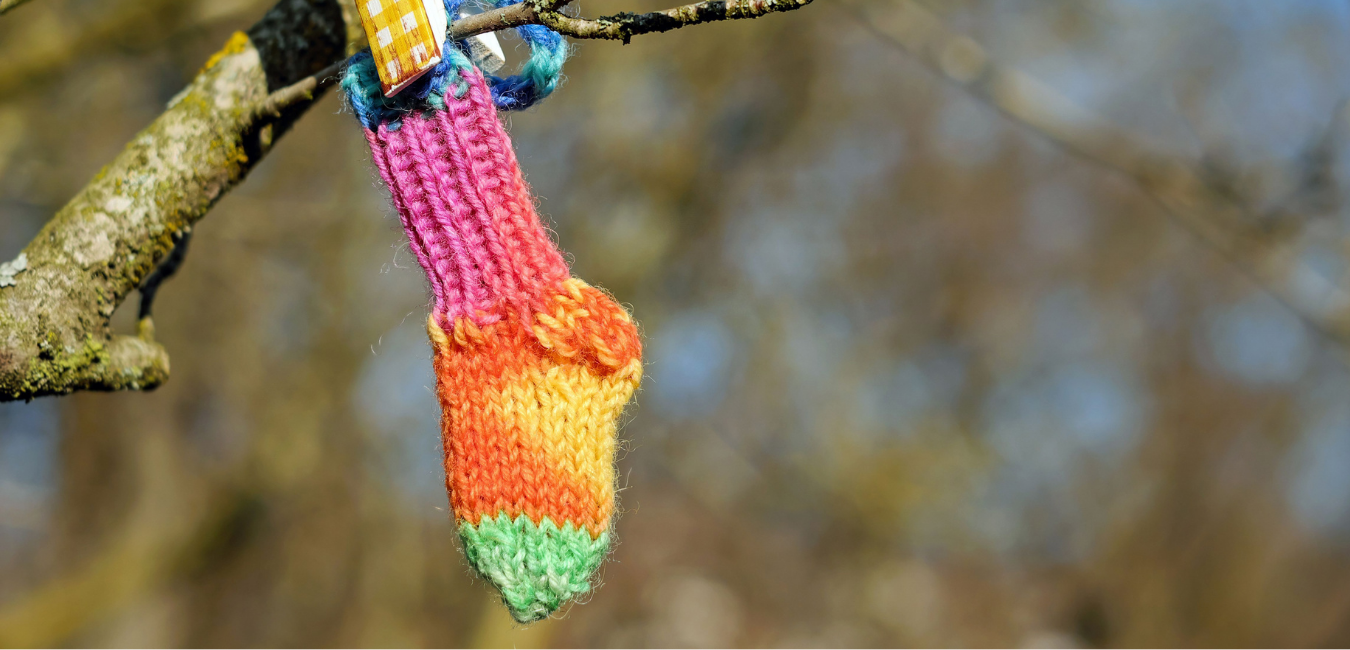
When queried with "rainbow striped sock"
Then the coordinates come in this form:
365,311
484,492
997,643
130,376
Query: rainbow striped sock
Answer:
533,367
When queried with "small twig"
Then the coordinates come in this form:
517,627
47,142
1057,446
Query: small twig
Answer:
497,19
623,26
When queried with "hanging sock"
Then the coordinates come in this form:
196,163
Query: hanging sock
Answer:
533,366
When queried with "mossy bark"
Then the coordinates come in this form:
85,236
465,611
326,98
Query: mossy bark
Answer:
55,334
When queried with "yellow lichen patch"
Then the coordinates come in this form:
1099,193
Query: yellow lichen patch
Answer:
237,43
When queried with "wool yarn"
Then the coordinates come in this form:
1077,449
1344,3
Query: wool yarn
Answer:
533,367
539,76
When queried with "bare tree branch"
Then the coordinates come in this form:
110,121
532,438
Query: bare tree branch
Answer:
624,26
545,12
55,336
1260,249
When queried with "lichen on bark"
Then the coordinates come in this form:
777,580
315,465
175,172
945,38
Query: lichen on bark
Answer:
55,333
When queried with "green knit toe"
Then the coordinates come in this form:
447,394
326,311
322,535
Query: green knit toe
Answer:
536,568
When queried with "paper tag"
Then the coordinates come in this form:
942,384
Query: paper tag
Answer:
406,38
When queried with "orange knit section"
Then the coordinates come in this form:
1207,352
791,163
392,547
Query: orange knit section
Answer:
584,325
531,411
510,478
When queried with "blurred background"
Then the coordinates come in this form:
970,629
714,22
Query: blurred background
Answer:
916,375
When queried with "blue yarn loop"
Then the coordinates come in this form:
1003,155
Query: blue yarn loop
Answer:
537,78
540,74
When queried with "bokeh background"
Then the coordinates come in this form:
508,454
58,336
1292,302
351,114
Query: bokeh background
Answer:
916,375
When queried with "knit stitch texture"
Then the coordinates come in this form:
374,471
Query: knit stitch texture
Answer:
533,367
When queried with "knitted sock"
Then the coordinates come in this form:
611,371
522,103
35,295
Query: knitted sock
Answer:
533,367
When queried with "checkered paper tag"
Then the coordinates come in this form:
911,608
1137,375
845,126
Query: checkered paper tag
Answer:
406,37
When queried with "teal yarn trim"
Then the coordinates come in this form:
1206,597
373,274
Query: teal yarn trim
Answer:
540,75
536,567
544,68
361,84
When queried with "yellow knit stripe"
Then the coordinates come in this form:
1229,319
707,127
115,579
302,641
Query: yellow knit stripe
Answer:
571,415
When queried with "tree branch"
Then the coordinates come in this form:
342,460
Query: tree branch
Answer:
55,336
1258,248
623,26
545,12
